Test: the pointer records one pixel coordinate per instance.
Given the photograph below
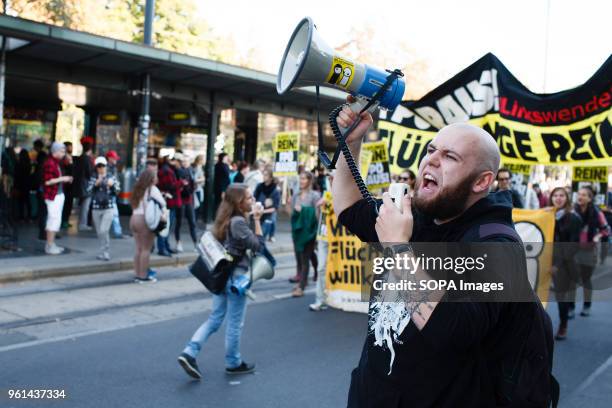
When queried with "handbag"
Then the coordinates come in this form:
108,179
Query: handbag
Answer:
214,265
154,215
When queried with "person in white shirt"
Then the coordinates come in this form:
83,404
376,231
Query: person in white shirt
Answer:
255,176
144,189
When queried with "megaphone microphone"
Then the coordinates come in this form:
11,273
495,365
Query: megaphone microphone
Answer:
309,61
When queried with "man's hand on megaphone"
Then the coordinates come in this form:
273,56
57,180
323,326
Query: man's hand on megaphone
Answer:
347,117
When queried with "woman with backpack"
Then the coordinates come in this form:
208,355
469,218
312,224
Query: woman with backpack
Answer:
594,228
231,228
565,272
144,189
102,188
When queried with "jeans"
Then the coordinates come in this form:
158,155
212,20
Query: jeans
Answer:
102,220
322,247
235,306
266,252
116,224
269,226
85,203
163,245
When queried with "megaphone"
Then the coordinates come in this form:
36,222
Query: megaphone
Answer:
261,268
308,61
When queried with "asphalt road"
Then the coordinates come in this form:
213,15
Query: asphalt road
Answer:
303,360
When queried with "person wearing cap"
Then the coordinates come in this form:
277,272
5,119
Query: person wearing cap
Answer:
53,192
103,189
113,158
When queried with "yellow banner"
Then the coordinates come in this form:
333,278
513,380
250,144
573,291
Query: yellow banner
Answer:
537,227
593,174
520,143
286,153
378,171
345,255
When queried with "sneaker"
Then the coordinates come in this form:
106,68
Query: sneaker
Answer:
179,247
272,239
164,253
561,333
297,292
85,228
243,368
317,307
189,365
53,249
585,312
152,274
105,256
571,314
148,279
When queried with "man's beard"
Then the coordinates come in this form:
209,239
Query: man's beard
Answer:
449,202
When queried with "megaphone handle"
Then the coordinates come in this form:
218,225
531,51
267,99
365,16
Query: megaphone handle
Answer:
357,107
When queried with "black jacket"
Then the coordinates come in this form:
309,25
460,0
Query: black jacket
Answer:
84,169
454,361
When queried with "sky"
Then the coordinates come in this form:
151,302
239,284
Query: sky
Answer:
448,35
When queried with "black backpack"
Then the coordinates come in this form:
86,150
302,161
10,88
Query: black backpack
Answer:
524,374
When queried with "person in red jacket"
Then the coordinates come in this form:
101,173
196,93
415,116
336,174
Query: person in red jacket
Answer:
170,188
53,193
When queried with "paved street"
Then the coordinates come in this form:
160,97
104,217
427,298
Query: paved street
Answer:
109,342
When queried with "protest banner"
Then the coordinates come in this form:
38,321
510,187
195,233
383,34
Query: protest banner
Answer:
378,172
346,256
286,153
570,127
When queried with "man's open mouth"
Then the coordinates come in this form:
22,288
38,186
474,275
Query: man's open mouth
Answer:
430,183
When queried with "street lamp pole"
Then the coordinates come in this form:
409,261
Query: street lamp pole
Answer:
145,119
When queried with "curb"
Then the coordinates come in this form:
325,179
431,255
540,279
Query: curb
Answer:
91,267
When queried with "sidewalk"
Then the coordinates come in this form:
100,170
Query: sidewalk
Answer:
31,262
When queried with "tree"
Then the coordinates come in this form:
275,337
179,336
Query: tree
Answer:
176,27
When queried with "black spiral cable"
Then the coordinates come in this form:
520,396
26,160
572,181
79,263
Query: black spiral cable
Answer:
348,156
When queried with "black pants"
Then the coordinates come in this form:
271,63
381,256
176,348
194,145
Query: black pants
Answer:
565,279
586,272
23,210
187,210
42,216
304,258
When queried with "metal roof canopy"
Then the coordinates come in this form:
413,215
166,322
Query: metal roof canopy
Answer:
42,51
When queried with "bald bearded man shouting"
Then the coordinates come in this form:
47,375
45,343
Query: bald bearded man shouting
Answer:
432,352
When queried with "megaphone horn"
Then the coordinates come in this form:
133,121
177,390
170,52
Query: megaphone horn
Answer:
261,268
309,61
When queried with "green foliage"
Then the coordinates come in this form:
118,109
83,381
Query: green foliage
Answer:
177,25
